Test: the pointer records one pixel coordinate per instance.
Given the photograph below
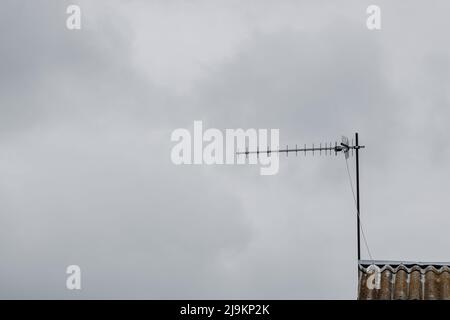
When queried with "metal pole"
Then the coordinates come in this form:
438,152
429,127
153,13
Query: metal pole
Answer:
357,192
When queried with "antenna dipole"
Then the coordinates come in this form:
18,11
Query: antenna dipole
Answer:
344,147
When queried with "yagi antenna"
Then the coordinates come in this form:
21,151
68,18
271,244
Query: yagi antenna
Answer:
344,146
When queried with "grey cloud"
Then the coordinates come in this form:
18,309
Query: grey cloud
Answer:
87,178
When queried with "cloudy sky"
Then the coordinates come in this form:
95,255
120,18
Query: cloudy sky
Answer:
86,117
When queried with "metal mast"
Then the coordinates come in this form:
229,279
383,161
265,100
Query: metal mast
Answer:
357,191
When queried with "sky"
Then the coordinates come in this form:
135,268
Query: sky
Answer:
86,118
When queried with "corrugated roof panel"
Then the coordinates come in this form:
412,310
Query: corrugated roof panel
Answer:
398,281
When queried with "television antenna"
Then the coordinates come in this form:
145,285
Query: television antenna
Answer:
345,147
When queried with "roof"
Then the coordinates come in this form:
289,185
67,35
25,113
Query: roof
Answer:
400,280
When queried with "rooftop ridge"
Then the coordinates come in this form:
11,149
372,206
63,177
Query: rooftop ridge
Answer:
399,262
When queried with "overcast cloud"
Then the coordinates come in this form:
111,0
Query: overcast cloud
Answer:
85,124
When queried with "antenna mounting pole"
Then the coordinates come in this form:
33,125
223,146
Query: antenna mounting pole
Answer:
357,192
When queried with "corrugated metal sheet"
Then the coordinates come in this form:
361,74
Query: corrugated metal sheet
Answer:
403,281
